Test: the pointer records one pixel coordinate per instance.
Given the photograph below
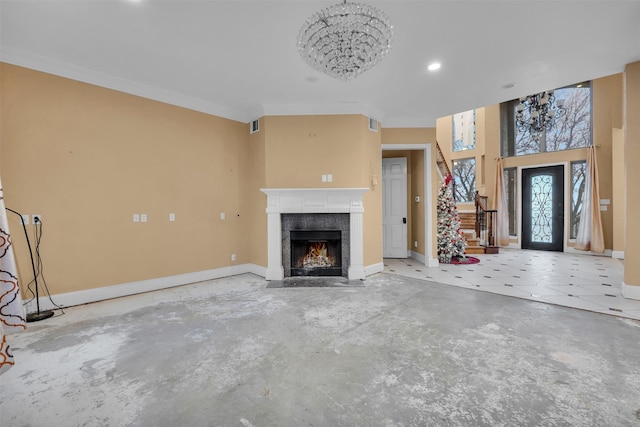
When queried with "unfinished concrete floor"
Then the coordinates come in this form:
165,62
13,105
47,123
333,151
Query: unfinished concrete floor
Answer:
394,352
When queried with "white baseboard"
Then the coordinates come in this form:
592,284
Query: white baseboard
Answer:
631,291
617,254
572,250
69,299
432,262
417,256
373,269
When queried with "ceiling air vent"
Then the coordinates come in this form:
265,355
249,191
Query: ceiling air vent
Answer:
254,126
373,124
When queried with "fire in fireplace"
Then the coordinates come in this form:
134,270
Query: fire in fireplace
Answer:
316,252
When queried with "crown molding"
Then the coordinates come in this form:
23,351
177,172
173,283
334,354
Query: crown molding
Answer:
86,75
322,109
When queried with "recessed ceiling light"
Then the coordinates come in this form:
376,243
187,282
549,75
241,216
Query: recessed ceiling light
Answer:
434,66
508,86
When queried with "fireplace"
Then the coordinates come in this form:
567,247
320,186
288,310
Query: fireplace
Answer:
316,252
315,244
317,210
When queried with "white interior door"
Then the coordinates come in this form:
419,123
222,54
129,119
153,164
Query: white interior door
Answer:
394,207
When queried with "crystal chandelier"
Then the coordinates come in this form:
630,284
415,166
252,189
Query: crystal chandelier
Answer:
538,112
345,39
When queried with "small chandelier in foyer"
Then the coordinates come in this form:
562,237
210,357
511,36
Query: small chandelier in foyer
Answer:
345,39
538,112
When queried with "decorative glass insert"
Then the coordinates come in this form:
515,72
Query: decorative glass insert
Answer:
464,131
464,178
572,130
510,187
578,171
541,208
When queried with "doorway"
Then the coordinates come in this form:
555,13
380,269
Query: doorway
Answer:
394,207
543,208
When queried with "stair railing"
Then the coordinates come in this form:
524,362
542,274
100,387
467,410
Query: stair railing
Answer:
441,161
485,224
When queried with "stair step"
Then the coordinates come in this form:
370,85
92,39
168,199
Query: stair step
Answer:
474,250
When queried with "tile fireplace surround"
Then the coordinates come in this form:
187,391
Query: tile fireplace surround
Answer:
314,200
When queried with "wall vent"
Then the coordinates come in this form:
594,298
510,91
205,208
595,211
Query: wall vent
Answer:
373,124
254,126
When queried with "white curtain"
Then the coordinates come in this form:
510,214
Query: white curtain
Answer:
501,232
11,311
590,228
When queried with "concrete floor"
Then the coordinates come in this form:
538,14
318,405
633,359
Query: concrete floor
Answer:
395,352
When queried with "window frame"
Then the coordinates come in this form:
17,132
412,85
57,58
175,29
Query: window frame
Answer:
458,181
509,132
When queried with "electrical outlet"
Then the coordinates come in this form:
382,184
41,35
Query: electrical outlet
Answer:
329,178
172,217
25,219
143,217
415,244
36,219
222,216
233,257
136,217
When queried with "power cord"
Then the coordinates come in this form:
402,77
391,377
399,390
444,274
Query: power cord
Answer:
39,265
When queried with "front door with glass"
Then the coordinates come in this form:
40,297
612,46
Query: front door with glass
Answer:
543,208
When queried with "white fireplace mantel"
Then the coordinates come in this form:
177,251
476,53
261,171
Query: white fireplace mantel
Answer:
315,200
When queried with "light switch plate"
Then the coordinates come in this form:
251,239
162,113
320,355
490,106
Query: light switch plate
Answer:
172,217
143,217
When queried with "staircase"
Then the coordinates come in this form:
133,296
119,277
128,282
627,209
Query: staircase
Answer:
468,225
477,226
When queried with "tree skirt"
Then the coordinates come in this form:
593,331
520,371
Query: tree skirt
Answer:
465,260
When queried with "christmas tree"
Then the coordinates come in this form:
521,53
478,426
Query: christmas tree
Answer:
451,240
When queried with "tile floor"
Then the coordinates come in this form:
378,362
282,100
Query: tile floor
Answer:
585,282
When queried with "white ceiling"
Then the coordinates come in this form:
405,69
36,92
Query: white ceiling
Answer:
238,59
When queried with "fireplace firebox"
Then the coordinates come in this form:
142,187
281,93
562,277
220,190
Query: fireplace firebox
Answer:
316,252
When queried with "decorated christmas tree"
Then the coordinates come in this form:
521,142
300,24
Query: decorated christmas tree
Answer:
451,240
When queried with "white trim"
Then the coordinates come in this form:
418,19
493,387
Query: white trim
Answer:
617,254
374,268
87,75
428,195
417,256
86,296
573,250
315,200
321,109
631,291
433,262
408,122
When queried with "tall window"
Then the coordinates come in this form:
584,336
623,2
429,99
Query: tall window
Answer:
510,187
578,171
464,177
572,130
464,131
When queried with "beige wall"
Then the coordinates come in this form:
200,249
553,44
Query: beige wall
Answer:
253,167
632,174
300,149
88,158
